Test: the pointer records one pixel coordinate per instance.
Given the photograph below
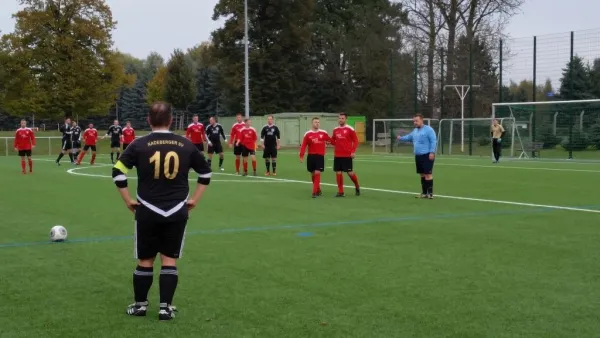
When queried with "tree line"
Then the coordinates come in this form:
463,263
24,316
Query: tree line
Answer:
376,58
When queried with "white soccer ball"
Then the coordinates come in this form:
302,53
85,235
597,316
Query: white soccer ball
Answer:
58,233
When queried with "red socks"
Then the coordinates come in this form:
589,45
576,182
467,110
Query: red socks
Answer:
23,165
339,177
354,179
245,166
237,165
316,183
81,156
254,165
30,165
93,159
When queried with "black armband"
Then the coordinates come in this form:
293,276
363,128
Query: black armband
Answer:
119,178
204,179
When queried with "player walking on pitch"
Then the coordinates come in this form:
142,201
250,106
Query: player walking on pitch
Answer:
247,140
345,144
75,139
316,141
214,132
116,138
90,137
195,132
163,161
67,144
233,138
270,138
424,141
497,133
128,135
23,144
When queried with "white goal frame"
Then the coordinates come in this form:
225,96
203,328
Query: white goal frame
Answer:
463,121
536,103
374,134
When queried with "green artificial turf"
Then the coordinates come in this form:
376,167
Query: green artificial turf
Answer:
494,255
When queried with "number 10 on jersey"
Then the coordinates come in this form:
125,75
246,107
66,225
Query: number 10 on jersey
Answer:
171,156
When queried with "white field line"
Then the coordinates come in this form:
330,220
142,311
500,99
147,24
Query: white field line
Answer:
472,199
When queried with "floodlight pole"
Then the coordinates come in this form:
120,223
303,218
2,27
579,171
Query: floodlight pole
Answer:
246,66
462,91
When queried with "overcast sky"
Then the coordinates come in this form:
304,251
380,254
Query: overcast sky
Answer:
161,25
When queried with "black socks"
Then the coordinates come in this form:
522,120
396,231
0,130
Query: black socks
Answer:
142,281
168,283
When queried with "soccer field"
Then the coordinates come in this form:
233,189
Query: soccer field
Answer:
508,250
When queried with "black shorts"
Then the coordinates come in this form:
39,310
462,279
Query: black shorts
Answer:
115,144
87,147
215,148
237,150
25,153
199,146
156,234
342,164
76,145
125,145
247,151
424,164
67,145
270,152
315,163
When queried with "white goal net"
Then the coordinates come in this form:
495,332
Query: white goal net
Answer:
473,136
385,132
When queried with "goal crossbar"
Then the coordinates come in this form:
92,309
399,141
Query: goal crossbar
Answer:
490,119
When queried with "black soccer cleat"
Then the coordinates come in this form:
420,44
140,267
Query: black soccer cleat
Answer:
167,313
245,173
58,163
340,194
319,193
137,309
357,191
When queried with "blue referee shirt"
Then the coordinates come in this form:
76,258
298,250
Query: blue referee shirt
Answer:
423,140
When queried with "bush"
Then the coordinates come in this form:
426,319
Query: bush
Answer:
580,142
548,138
484,141
595,136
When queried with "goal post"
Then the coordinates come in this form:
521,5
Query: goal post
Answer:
554,129
450,136
385,131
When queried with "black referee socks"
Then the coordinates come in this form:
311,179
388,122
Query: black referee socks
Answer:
142,281
429,186
423,186
168,283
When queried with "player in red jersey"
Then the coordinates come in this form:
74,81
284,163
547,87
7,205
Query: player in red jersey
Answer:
90,137
196,133
24,143
233,137
128,135
247,138
345,141
316,141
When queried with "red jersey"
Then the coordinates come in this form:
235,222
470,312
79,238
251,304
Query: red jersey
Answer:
248,137
345,141
315,141
195,132
128,135
90,136
24,139
235,129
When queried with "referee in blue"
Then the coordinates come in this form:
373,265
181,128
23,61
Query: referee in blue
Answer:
424,141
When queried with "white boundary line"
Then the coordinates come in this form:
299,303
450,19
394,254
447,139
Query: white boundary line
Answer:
472,199
74,171
533,205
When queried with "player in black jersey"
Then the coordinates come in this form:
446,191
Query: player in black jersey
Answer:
214,132
75,139
269,137
116,137
163,161
67,143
